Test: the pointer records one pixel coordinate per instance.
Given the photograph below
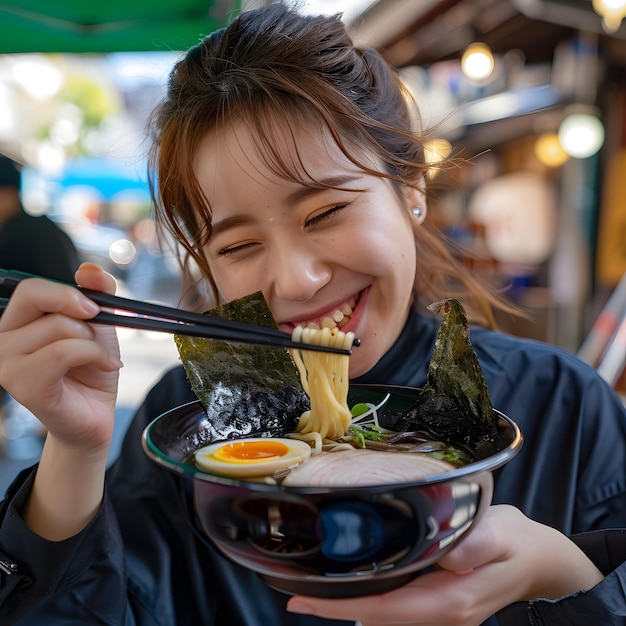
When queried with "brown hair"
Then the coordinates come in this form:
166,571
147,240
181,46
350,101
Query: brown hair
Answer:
273,64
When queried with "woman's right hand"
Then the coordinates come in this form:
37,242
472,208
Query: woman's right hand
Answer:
60,367
65,371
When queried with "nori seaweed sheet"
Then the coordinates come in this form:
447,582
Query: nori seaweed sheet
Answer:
250,390
454,404
245,389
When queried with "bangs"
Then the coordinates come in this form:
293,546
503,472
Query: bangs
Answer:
282,128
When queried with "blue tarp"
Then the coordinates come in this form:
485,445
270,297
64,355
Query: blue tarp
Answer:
108,176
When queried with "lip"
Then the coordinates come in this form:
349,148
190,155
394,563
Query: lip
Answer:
360,298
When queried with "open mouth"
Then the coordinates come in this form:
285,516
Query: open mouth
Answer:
336,318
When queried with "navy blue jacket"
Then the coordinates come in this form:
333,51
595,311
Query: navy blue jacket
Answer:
141,561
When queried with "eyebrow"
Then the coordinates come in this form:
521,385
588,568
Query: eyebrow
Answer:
229,222
319,186
300,194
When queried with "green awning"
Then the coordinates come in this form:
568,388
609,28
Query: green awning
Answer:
109,25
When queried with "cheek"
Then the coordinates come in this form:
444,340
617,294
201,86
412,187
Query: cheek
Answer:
385,247
235,283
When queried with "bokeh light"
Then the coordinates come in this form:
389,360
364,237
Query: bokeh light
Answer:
581,135
477,62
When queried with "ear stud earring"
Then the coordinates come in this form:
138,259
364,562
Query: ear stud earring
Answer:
418,212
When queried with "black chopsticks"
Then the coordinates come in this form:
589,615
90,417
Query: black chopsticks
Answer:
148,316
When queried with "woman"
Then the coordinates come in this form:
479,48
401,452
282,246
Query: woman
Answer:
287,163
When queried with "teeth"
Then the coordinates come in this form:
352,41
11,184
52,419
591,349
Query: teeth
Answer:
339,318
327,322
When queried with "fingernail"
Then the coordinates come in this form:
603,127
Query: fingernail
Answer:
295,606
89,306
88,265
116,364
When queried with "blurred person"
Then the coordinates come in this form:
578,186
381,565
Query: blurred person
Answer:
29,243
35,245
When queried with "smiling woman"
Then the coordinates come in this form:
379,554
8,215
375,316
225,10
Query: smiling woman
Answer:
298,226
77,26
302,148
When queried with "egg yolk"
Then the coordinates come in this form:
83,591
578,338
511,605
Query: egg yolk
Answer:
251,451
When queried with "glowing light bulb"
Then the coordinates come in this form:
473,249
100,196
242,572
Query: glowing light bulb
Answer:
612,13
437,150
477,61
549,150
581,135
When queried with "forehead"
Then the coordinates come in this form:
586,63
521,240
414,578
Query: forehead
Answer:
279,154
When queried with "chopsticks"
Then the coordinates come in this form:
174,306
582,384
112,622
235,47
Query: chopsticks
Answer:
148,316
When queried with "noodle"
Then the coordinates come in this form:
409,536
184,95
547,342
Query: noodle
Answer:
325,380
314,439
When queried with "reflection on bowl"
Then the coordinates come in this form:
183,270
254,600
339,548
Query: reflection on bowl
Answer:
332,542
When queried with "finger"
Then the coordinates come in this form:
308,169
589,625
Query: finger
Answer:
29,341
35,297
92,276
43,331
51,363
439,598
368,610
60,357
486,542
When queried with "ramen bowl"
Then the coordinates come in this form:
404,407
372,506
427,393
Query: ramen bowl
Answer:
332,541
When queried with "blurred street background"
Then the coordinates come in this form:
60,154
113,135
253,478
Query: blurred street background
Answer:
527,97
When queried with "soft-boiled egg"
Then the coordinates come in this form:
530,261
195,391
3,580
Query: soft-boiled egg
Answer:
253,457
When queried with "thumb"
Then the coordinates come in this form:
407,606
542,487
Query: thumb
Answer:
485,543
92,276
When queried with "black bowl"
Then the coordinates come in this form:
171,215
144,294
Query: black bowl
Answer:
332,542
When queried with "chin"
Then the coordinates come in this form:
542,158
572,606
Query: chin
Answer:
362,363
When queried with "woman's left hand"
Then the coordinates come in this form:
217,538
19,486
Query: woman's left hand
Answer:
506,558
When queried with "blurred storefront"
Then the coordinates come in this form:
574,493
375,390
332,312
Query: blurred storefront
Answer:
77,84
540,211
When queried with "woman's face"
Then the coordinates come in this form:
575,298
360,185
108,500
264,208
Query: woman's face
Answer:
316,253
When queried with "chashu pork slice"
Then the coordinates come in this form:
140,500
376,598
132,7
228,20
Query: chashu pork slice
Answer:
361,468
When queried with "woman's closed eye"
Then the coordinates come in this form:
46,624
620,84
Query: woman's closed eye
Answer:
326,215
241,247
244,248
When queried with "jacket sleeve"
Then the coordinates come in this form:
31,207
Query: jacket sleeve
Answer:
604,604
570,473
34,570
85,578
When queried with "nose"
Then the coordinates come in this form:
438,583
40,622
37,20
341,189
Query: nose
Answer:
297,271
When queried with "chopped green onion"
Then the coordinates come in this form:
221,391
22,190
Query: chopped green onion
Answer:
360,409
364,409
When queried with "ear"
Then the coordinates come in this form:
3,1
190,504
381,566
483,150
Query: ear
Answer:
415,200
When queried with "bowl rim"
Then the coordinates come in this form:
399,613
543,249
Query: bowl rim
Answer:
192,472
